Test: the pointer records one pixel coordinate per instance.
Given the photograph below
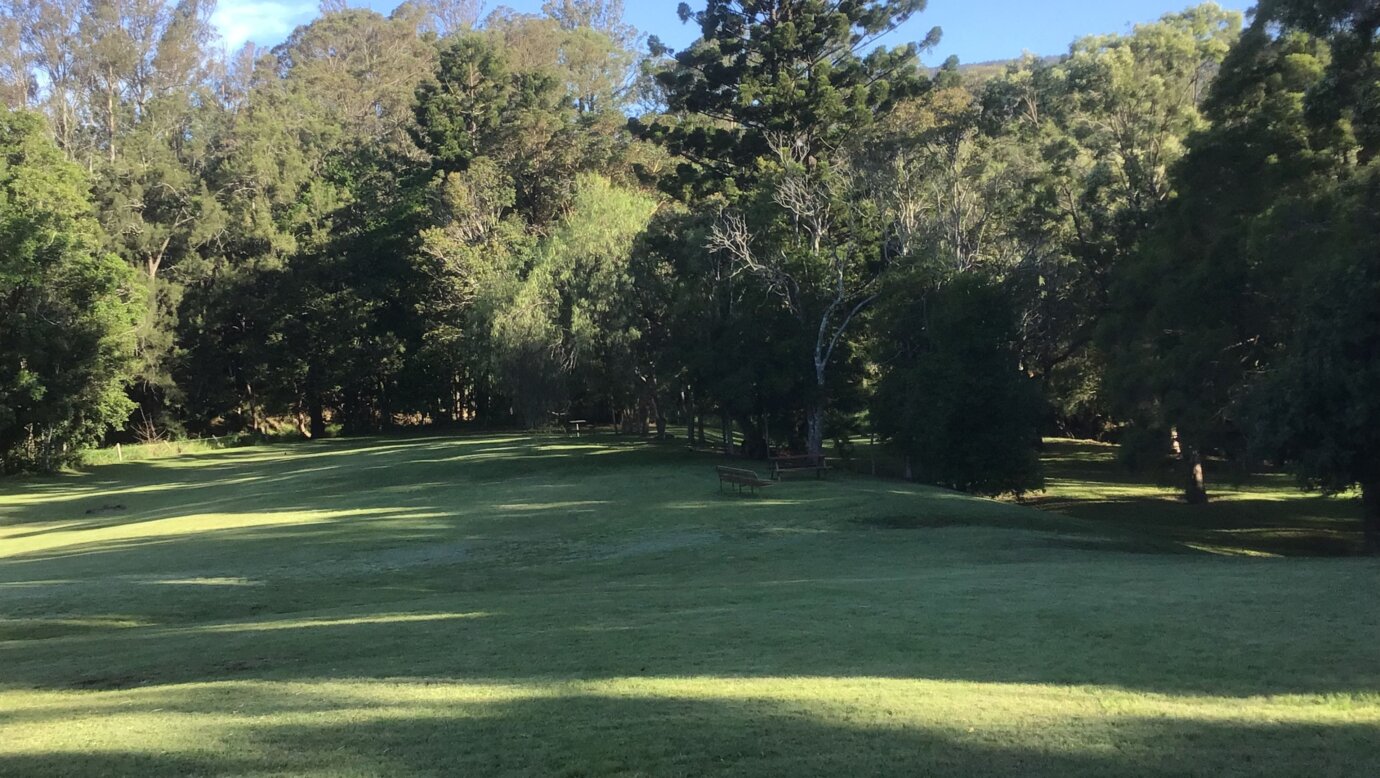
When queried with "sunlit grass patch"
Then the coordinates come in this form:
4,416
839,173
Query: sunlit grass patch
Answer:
936,724
513,605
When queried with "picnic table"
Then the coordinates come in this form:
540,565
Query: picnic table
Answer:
568,424
799,463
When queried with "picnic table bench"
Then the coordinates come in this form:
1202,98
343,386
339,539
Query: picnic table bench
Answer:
799,463
740,477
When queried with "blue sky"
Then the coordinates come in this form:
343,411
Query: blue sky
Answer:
975,30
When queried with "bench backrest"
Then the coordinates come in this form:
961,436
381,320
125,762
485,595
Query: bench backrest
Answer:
736,472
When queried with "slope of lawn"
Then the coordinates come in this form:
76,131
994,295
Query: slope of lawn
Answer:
505,605
1263,514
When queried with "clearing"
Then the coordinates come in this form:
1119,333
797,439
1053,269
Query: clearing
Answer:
541,605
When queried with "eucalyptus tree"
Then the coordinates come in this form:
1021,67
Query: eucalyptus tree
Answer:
48,38
352,74
17,82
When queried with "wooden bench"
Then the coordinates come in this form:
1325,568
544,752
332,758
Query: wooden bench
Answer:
796,464
739,478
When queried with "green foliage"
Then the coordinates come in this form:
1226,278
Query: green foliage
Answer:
433,217
1091,139
765,108
470,103
765,74
950,395
572,312
1200,307
67,307
1317,404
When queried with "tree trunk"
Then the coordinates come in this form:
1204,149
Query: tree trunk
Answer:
317,411
483,402
1370,513
814,430
110,117
384,413
1195,493
689,409
726,427
754,442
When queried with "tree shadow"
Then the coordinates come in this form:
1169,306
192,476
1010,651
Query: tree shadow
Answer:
590,567
632,730
751,607
1260,513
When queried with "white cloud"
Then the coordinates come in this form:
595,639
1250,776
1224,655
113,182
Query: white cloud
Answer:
266,22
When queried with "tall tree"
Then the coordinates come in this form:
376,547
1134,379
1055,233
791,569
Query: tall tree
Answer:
1194,311
1094,137
762,107
1314,404
1301,119
49,35
17,83
65,307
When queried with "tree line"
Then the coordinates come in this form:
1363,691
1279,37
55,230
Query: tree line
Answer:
785,232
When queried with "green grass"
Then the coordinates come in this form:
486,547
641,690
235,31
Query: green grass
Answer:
1264,514
552,606
139,452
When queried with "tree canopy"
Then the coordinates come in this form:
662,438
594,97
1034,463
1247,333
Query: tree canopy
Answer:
791,231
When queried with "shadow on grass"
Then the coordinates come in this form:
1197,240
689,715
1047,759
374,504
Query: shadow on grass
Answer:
1263,513
320,470
743,612
577,733
590,566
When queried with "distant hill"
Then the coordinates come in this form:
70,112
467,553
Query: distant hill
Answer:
981,71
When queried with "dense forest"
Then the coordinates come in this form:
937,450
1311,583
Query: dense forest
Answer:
784,232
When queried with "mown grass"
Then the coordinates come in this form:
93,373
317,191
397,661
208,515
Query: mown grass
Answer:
545,605
1260,513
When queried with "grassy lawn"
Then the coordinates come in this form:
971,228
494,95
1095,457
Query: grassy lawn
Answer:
1263,514
554,606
